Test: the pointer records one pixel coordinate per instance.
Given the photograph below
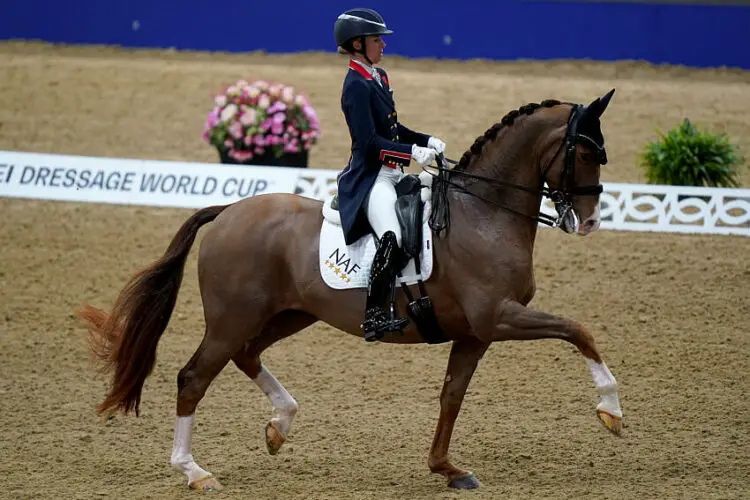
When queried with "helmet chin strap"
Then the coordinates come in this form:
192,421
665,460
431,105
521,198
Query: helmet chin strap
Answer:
363,50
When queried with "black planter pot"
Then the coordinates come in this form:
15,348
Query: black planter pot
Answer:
295,160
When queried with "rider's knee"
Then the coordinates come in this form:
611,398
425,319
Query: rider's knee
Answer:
394,234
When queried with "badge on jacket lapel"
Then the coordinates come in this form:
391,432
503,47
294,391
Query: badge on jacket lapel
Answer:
387,84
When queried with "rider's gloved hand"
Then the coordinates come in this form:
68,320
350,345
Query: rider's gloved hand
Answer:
423,156
436,144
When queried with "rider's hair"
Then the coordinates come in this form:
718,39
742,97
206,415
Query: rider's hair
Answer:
492,132
347,48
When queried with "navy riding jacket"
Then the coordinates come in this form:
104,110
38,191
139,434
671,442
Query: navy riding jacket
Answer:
378,139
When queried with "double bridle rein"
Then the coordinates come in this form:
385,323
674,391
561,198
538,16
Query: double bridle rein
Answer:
562,197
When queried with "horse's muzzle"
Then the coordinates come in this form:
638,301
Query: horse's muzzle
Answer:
590,225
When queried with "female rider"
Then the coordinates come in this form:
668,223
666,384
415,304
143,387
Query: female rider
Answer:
381,148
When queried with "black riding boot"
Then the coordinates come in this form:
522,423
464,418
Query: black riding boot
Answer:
380,317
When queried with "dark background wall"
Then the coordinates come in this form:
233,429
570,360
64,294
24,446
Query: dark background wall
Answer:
687,32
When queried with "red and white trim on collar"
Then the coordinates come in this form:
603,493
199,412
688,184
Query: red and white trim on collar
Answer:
359,68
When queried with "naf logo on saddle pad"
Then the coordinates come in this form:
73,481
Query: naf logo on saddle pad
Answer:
343,267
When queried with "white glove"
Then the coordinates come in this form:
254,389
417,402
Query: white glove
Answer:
436,144
423,156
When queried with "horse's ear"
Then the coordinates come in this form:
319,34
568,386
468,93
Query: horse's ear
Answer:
598,105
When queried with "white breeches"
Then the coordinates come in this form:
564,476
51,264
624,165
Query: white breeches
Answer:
381,203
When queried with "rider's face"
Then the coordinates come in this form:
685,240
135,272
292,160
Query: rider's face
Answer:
374,48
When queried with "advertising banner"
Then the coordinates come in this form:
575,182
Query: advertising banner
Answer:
137,182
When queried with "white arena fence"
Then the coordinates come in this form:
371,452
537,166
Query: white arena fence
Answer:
624,207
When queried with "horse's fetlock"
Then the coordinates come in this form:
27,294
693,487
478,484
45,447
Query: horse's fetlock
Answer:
608,389
179,460
437,465
290,408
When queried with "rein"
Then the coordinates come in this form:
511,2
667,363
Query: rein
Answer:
440,217
562,198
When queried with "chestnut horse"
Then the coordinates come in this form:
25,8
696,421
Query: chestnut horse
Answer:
260,279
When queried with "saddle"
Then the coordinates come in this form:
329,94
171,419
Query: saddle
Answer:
413,192
410,201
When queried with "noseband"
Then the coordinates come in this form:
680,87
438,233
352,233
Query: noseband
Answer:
562,197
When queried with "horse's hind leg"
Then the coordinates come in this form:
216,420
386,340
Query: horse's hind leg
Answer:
513,321
284,405
192,382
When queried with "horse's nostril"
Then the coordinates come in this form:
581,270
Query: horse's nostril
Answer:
589,225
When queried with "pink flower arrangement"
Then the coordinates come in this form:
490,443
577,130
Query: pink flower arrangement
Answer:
251,119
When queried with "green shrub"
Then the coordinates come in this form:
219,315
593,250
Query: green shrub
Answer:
686,156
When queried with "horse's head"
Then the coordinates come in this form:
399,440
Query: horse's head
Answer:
572,171
562,148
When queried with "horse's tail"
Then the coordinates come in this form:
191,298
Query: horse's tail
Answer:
125,340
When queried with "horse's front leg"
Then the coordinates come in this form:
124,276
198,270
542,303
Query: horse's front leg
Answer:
464,357
513,321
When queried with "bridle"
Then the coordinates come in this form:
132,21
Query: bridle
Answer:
562,197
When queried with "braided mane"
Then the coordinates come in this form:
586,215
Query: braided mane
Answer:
440,217
492,132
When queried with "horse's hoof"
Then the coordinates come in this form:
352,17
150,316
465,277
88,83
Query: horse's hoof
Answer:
613,423
206,484
466,482
274,438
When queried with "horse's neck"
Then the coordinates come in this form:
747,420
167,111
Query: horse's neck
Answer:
498,229
513,160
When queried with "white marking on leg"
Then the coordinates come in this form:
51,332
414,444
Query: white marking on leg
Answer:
605,382
284,405
181,458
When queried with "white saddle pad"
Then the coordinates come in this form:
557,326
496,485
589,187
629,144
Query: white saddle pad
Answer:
348,266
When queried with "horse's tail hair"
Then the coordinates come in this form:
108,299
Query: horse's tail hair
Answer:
125,340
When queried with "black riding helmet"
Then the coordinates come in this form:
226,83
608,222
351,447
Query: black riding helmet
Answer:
358,23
